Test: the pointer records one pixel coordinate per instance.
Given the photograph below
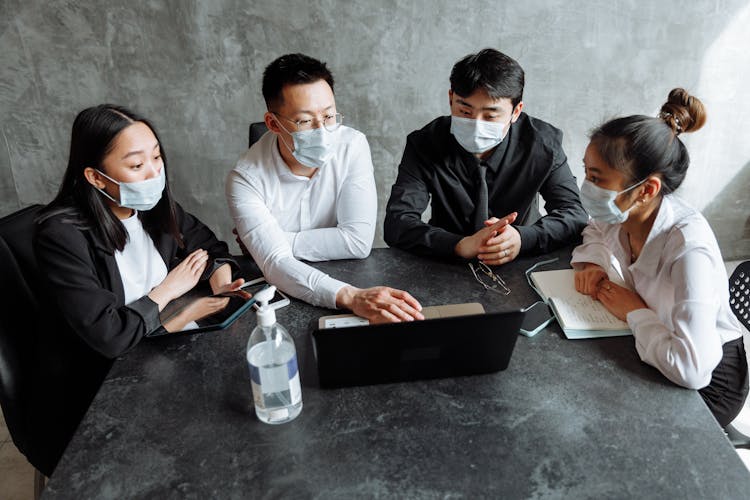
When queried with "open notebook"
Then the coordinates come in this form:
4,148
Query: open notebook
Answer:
579,316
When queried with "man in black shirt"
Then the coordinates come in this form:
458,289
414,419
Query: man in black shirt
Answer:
483,167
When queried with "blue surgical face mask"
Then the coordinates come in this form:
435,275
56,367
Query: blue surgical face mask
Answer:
141,195
312,148
477,136
600,203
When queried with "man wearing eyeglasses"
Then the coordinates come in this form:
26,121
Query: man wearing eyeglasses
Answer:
483,168
306,191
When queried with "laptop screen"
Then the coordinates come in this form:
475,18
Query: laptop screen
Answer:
432,348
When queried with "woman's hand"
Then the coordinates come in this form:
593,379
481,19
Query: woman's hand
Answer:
181,279
222,284
588,279
196,310
618,300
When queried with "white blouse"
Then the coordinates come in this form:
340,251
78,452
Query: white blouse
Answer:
681,276
140,264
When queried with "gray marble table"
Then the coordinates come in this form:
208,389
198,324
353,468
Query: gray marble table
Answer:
567,419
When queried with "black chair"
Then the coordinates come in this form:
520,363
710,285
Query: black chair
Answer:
257,130
739,301
18,330
739,293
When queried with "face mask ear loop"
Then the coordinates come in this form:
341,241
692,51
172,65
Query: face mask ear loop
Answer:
291,151
108,196
104,192
633,187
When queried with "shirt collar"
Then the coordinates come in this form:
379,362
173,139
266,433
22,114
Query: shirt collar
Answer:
496,157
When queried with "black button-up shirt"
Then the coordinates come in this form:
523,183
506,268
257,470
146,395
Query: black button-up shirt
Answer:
529,161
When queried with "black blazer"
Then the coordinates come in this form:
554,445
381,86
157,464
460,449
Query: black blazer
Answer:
435,170
86,322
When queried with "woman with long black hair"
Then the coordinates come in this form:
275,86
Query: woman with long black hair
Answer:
114,249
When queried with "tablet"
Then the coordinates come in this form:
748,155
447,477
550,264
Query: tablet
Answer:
236,307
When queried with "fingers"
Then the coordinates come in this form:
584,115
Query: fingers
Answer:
403,308
399,311
196,261
579,282
384,304
598,281
406,297
504,238
501,223
604,294
234,285
589,281
493,241
491,221
496,259
384,316
499,250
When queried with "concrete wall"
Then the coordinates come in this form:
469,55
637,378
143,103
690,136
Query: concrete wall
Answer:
194,68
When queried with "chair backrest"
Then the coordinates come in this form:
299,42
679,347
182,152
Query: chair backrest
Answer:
18,311
739,293
257,130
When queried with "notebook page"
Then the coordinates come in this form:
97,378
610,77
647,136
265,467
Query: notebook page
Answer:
581,312
575,310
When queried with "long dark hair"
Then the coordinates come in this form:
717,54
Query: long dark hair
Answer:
93,136
640,146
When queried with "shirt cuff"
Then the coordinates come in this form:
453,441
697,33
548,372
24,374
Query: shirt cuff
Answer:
148,310
290,238
528,237
640,317
327,289
445,243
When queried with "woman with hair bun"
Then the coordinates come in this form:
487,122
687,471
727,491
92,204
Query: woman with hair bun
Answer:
677,304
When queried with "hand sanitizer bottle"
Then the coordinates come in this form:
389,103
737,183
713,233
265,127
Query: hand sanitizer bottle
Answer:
272,359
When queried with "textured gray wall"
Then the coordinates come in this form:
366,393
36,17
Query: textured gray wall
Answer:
194,68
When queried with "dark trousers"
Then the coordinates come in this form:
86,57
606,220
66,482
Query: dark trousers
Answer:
726,393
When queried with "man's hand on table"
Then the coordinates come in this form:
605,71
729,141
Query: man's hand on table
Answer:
502,248
379,304
491,243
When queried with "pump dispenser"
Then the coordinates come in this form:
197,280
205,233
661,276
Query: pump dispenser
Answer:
272,360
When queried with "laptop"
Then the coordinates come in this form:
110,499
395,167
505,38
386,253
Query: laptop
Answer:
431,348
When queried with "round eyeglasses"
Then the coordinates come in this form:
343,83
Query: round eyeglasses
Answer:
330,122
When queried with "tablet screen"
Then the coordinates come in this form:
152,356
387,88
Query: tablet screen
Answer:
201,299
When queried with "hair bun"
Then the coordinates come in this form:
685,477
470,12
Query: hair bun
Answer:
683,112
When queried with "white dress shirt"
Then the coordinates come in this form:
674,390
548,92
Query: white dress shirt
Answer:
282,217
681,276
